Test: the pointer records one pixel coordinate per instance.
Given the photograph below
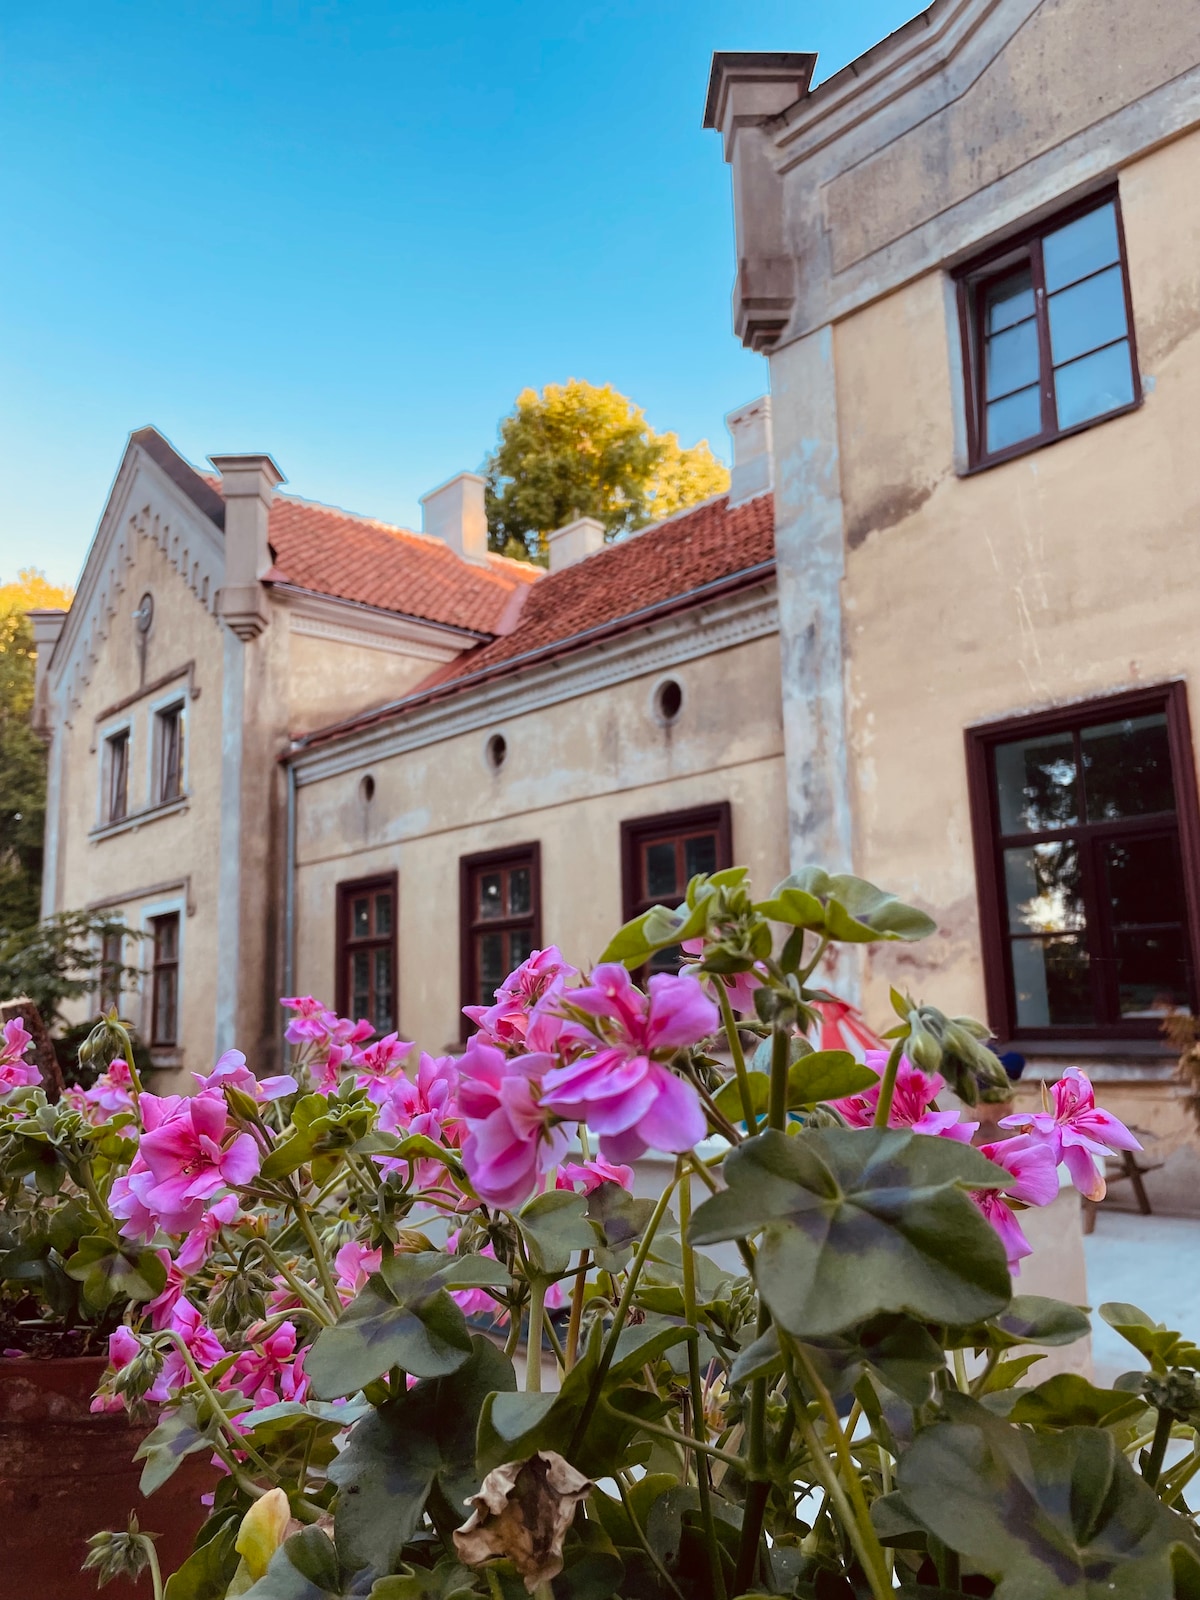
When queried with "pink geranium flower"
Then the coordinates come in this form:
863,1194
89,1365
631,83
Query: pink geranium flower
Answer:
16,1073
589,1175
231,1068
623,1093
1077,1130
739,986
198,1245
380,1065
1034,1181
270,1370
511,1140
189,1161
355,1264
112,1090
507,1022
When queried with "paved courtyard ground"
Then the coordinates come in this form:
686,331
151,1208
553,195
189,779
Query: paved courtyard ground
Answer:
1154,1262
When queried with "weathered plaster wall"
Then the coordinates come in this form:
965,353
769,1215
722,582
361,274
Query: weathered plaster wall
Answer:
329,679
574,771
1066,573
180,844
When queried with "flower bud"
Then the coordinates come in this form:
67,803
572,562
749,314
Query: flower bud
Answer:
139,1375
118,1555
262,1531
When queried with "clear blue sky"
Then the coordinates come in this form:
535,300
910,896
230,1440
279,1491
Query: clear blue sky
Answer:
350,231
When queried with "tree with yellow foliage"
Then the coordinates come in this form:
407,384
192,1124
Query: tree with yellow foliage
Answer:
579,450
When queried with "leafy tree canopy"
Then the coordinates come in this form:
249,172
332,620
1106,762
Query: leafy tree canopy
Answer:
22,753
579,450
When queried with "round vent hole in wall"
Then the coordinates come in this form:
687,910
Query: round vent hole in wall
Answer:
668,700
497,751
366,789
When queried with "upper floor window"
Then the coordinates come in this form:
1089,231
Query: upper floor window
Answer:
112,950
116,752
1086,845
366,953
501,917
164,980
660,855
1048,333
169,764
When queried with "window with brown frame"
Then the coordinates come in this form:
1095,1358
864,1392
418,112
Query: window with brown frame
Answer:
1087,850
501,917
660,855
169,728
116,750
164,980
366,951
1047,328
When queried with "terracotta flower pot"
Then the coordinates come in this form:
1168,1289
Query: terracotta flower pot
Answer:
66,1474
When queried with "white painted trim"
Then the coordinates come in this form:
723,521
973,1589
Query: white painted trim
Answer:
683,636
371,627
229,856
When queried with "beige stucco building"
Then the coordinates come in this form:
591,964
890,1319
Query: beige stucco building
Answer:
973,259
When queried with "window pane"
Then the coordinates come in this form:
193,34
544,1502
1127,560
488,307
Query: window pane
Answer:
1050,978
663,961
1127,768
1086,316
166,938
660,869
383,991
1036,783
1144,880
1043,888
1009,301
1093,385
383,914
360,984
360,919
491,900
490,949
699,855
520,945
1012,358
1081,247
519,892
1152,972
1017,417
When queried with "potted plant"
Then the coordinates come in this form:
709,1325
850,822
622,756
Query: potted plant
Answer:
67,1279
441,1350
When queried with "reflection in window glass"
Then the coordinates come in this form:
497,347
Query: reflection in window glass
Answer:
1052,982
1127,768
491,902
1035,779
361,919
1094,385
383,914
1080,247
660,869
699,855
1144,880
1043,888
1152,971
1089,314
518,892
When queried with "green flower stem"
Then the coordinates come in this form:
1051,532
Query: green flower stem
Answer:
849,1471
1158,1447
135,1081
777,1114
622,1311
647,1548
887,1088
684,1441
237,1440
576,1318
835,1499
960,1372
155,1569
88,1181
300,1211
533,1344
297,1285
739,1058
694,1384
806,972
1173,1483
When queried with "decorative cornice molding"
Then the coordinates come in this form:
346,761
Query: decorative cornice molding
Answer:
348,622
193,546
731,620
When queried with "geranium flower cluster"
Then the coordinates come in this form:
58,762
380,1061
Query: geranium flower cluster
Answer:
1072,1131
15,1071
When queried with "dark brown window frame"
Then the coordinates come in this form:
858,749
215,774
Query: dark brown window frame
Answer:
344,944
975,275
164,718
468,866
121,740
636,830
986,832
157,1040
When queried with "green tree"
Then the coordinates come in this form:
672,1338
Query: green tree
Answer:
578,450
22,753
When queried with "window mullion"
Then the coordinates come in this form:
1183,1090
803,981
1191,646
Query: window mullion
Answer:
1042,312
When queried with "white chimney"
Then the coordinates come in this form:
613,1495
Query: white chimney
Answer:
47,628
753,462
248,488
454,512
574,542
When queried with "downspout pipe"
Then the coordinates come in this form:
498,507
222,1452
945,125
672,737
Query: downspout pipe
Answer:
289,892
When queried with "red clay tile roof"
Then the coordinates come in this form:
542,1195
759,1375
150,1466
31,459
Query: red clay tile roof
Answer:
669,564
357,558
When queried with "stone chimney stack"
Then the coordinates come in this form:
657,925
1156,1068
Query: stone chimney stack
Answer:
47,628
248,488
574,542
753,462
454,512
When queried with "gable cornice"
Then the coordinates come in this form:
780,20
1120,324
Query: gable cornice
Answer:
699,631
144,503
